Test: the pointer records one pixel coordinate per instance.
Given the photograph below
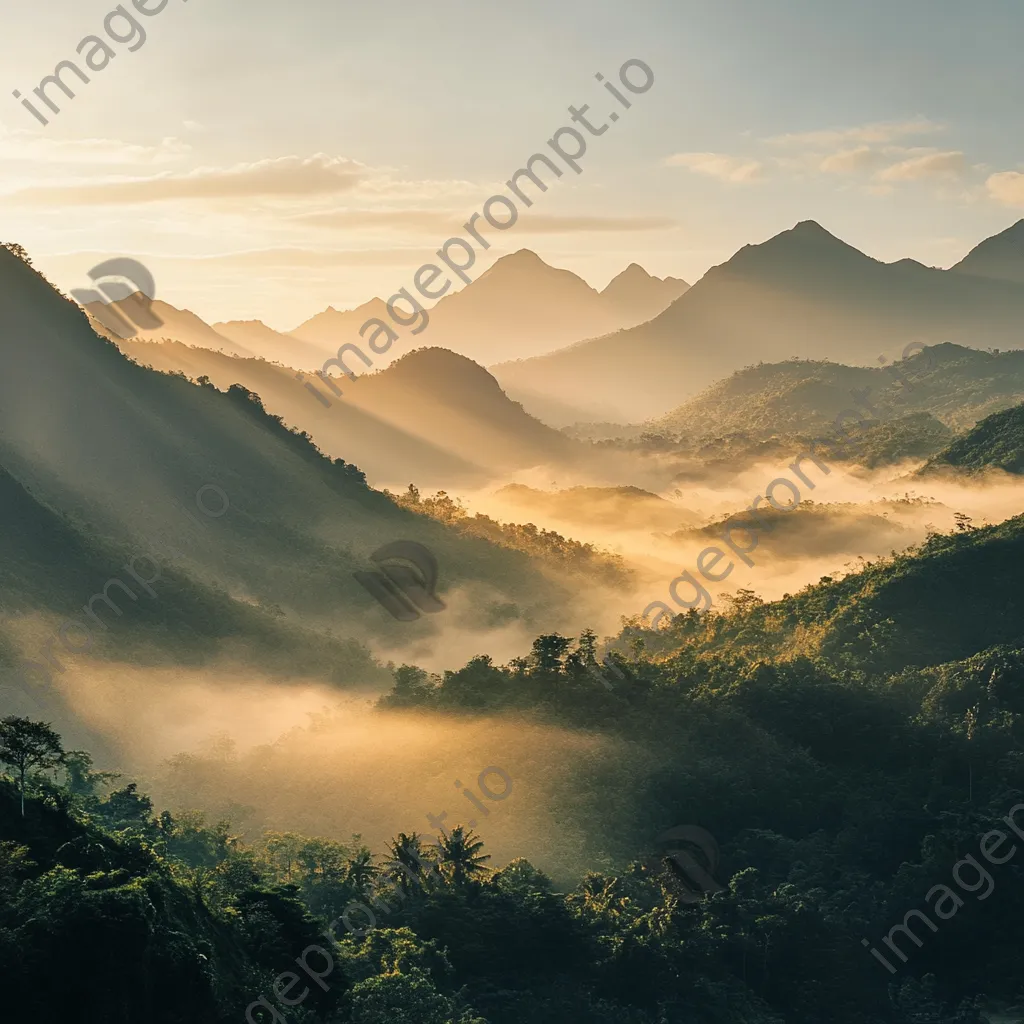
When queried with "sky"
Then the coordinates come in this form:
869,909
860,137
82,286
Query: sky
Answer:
266,160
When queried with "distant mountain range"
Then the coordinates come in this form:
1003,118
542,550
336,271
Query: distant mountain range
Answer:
803,293
326,331
520,307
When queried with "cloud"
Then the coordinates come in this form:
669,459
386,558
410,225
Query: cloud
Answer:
850,161
285,257
948,164
28,145
289,176
383,186
544,224
878,150
422,221
1006,187
877,132
434,222
718,165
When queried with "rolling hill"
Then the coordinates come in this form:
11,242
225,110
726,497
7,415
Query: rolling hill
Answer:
997,442
957,385
433,418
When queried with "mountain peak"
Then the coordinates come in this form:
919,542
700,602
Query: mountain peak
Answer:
809,228
522,259
634,275
1000,257
805,251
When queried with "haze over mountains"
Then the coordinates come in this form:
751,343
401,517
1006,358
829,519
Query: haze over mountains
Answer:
519,307
1000,257
258,617
326,331
957,385
432,417
113,455
803,293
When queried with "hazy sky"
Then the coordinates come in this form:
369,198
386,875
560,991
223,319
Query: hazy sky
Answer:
266,159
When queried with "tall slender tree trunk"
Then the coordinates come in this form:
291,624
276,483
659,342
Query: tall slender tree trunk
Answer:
23,792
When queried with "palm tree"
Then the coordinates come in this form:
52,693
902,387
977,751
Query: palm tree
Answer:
360,871
408,864
460,855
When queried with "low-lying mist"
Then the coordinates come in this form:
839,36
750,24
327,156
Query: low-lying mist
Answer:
849,515
299,758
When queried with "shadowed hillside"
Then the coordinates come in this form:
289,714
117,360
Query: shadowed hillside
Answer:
123,453
432,417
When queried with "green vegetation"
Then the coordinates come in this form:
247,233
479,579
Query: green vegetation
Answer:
957,385
546,546
845,745
997,442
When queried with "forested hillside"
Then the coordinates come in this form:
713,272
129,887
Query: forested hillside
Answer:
845,746
957,385
997,442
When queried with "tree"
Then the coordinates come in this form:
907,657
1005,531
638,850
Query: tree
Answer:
26,746
127,807
360,872
408,865
81,780
964,523
17,250
548,651
460,855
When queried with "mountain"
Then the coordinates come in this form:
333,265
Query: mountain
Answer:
997,442
328,330
433,418
639,296
520,307
957,385
220,497
803,293
1000,257
243,338
255,337
180,324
